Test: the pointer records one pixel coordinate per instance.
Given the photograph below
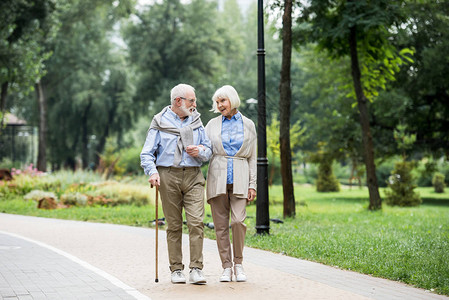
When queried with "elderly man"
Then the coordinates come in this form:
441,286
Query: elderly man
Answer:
175,147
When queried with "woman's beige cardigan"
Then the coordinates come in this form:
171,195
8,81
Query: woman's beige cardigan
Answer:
245,161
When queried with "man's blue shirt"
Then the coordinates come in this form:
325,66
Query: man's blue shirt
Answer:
159,148
232,138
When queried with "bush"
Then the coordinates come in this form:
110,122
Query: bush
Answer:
119,194
58,182
326,182
75,199
438,183
401,192
37,195
45,200
78,188
130,161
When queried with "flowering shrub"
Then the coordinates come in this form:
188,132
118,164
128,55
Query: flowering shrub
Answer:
30,171
78,188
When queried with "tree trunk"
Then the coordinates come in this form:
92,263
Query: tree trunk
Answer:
42,148
85,136
284,108
375,201
102,142
3,95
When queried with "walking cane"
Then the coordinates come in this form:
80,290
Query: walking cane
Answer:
157,224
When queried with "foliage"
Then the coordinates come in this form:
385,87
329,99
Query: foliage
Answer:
75,199
438,182
129,160
84,83
121,193
427,167
7,163
82,101
405,141
24,27
30,171
425,82
401,182
182,42
273,146
384,170
37,195
329,25
359,30
401,186
326,181
76,189
108,165
306,173
322,106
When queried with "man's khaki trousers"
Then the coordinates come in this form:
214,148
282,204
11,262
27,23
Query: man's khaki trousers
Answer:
183,188
221,206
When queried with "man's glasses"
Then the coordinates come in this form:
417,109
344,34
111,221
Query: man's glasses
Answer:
190,100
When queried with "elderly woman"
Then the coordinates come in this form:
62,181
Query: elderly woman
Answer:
231,178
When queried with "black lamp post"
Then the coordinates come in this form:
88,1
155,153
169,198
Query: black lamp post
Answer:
262,214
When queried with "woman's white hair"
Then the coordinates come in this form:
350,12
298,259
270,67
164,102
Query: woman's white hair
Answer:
180,91
227,92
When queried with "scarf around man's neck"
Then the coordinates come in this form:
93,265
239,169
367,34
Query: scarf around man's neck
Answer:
185,134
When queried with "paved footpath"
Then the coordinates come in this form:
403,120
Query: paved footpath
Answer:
57,259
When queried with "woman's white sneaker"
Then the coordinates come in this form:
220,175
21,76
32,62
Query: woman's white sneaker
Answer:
240,275
227,275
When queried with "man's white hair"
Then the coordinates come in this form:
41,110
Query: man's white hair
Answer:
180,91
227,92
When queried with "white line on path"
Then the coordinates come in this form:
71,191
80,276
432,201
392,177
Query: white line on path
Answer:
115,281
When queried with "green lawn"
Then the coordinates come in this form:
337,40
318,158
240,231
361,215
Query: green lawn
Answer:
404,244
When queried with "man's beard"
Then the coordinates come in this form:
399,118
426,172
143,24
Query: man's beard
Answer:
187,111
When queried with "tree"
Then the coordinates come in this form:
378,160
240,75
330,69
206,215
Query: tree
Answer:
321,103
358,29
326,181
373,187
117,105
284,108
424,84
401,183
74,86
172,42
23,28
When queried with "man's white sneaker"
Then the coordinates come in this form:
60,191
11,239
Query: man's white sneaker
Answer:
239,273
227,275
196,276
178,277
